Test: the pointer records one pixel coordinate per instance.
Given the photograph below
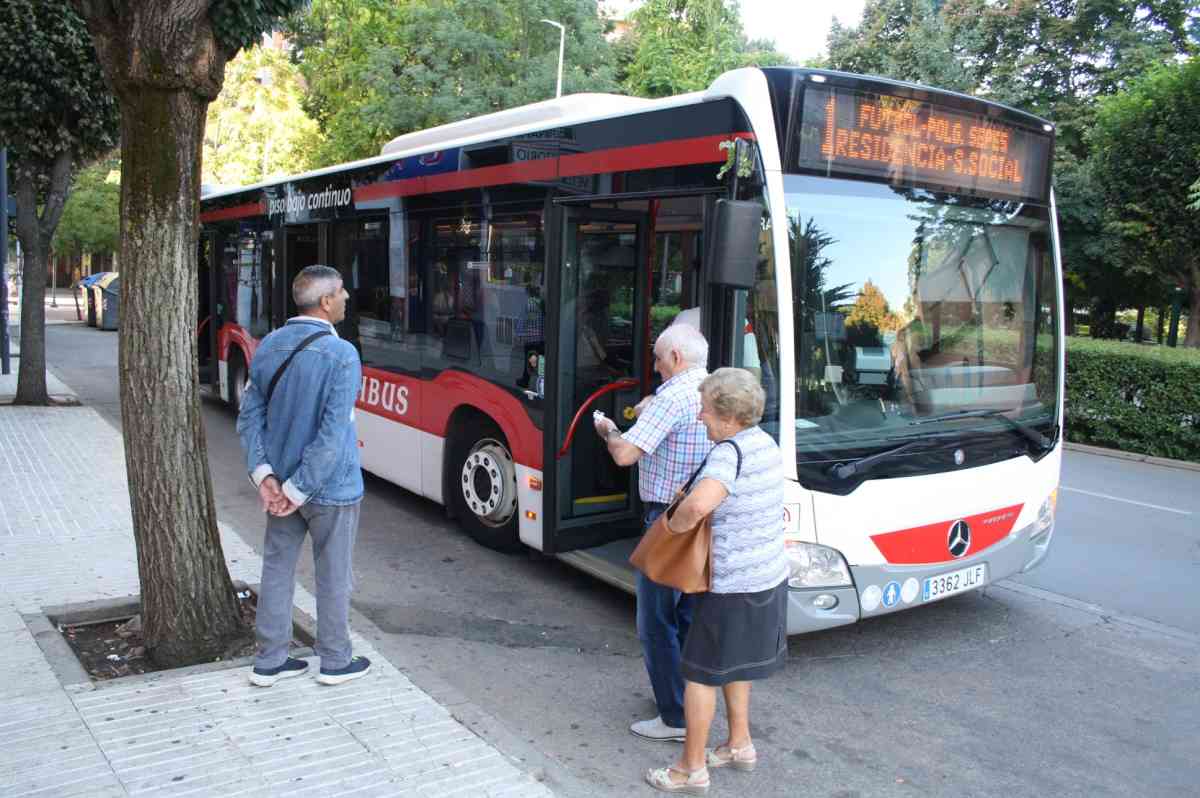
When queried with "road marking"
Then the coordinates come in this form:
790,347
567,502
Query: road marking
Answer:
1095,609
1129,501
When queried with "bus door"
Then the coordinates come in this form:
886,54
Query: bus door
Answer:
302,247
600,359
209,315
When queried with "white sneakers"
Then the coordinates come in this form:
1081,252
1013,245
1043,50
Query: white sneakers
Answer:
657,730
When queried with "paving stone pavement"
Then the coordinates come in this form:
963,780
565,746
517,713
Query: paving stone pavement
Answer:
66,538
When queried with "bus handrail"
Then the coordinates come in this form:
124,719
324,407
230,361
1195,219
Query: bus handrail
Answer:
200,326
628,382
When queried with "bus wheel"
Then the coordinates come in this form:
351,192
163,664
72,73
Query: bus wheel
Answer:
237,381
483,487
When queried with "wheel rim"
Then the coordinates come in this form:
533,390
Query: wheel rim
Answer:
489,483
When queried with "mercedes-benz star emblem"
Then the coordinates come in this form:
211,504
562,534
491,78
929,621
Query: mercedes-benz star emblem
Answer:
960,539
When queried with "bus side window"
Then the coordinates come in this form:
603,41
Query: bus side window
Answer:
374,318
254,264
484,279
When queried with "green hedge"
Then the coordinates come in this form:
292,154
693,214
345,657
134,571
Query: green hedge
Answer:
1143,399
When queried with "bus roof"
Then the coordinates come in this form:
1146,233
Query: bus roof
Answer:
568,110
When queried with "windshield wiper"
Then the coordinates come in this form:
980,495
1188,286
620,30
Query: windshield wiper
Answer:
847,470
1036,438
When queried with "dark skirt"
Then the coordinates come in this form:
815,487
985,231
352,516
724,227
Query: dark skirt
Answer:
736,637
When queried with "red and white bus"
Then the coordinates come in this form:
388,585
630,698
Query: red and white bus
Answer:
883,256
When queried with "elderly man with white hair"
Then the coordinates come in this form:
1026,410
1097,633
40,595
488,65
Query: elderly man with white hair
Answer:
668,443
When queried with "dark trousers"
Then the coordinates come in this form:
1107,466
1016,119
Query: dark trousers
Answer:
664,616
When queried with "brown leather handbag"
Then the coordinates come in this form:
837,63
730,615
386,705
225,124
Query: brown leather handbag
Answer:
679,559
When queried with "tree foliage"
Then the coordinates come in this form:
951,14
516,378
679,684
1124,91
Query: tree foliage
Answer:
869,317
91,219
376,69
256,127
55,113
237,24
332,41
53,100
905,39
1147,140
677,46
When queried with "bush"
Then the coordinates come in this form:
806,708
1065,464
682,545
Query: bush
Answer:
1143,399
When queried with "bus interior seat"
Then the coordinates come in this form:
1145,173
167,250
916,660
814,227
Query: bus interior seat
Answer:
460,342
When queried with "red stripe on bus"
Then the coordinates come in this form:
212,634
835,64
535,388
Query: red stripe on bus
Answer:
541,171
930,543
236,212
681,152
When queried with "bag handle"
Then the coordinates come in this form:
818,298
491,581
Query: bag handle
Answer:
286,363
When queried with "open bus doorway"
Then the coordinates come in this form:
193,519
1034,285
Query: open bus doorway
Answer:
629,269
302,249
207,322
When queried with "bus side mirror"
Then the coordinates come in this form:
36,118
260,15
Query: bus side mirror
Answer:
733,255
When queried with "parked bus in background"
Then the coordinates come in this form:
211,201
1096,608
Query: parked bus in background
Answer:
883,256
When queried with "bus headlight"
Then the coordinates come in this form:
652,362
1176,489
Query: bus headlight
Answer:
1045,519
816,566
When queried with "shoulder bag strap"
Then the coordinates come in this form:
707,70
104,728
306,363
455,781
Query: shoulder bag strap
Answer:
286,363
737,473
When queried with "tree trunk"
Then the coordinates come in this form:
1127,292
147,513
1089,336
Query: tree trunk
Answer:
31,374
164,65
1162,323
1141,324
35,234
1192,287
188,603
1103,319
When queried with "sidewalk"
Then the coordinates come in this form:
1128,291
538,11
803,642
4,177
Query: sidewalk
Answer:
66,538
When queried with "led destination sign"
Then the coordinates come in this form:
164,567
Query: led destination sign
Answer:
910,142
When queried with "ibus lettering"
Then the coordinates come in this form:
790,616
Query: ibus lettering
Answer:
387,395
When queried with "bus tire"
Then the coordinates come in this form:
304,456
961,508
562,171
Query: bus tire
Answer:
482,485
238,376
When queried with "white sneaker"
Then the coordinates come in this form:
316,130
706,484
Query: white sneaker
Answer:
657,730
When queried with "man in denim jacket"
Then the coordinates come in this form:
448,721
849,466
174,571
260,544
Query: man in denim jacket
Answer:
302,454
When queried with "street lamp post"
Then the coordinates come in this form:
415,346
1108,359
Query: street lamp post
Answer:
562,40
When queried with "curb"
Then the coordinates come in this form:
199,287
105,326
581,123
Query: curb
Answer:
1117,454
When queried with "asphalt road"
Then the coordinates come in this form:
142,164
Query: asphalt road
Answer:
1080,679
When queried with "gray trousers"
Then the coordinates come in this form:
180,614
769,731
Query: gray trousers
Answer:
333,529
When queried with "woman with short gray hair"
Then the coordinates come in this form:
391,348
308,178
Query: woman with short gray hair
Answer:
739,627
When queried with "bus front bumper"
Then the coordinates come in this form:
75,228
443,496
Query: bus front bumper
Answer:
884,589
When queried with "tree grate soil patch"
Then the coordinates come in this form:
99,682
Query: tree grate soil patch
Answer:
115,648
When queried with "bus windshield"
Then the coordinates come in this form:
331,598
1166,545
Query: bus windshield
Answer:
919,317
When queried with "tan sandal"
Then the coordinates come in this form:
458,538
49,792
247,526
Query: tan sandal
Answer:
696,784
744,758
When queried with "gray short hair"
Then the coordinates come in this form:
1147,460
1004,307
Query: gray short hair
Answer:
736,395
687,341
313,283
